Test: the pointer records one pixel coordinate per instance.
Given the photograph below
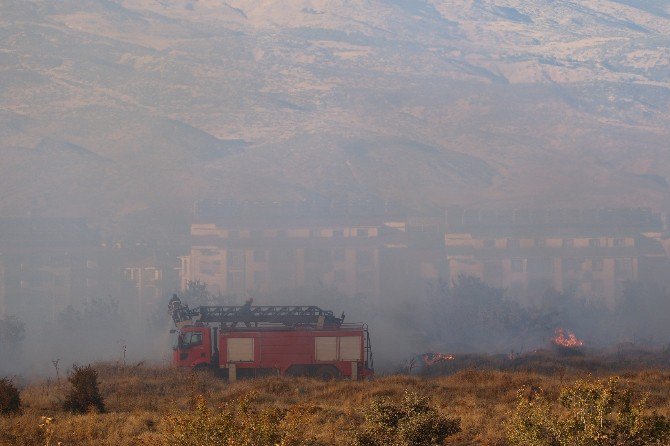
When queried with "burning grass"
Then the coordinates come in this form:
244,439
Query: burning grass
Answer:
140,401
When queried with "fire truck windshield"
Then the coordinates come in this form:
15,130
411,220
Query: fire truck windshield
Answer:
188,340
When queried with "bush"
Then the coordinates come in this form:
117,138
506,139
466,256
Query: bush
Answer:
597,413
10,402
84,394
412,422
236,422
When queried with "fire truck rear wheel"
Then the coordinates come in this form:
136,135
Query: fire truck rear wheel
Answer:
327,372
297,370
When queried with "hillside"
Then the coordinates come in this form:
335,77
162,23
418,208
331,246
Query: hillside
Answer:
110,108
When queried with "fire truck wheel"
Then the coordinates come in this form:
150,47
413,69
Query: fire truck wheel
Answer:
202,368
327,372
297,370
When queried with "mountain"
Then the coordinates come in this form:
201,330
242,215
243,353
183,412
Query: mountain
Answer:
114,108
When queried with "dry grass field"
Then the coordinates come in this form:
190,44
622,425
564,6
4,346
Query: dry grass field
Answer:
141,403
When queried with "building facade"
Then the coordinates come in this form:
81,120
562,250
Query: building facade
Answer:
285,248
592,253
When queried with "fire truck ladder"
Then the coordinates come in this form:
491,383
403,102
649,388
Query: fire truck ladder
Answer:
253,315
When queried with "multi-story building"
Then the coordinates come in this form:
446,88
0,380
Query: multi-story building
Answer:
263,248
148,283
591,252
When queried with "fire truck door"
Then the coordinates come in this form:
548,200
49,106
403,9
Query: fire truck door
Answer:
197,351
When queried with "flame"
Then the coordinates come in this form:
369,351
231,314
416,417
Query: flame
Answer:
569,341
434,358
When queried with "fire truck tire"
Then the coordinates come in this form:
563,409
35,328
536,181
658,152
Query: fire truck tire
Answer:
202,368
327,372
297,370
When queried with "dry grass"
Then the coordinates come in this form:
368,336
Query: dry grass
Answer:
139,398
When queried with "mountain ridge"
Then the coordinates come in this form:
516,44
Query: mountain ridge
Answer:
486,103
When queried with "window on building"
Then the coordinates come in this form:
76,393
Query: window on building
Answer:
568,243
572,265
624,268
540,243
517,265
619,242
282,257
489,243
338,232
594,242
597,265
540,265
235,259
362,232
513,243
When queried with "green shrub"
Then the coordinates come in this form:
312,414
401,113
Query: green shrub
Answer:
235,423
411,422
10,402
84,394
590,413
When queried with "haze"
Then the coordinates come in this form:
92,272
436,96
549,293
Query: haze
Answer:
144,144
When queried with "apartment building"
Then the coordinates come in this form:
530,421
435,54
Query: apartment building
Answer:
590,252
263,248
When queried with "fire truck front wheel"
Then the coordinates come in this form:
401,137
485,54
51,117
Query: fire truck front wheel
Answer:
202,367
327,372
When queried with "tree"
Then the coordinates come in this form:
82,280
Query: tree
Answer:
84,394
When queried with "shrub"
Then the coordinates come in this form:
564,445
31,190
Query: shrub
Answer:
411,422
590,413
236,422
84,394
10,402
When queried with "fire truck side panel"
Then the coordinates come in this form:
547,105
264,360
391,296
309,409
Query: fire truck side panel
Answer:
279,350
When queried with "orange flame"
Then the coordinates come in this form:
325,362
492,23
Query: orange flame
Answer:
569,341
434,358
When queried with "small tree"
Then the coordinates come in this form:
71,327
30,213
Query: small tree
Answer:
10,402
411,422
598,413
84,394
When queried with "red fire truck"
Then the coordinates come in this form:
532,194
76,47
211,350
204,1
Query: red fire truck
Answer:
250,341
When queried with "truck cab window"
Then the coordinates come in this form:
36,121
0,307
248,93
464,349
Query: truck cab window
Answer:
192,339
196,339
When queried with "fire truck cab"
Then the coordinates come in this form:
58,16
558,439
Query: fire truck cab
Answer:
250,341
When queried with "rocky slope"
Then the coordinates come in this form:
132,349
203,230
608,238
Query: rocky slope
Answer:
112,108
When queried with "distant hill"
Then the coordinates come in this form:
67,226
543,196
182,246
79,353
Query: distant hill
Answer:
114,109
